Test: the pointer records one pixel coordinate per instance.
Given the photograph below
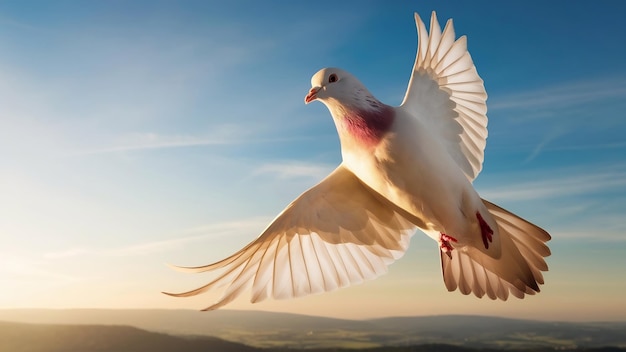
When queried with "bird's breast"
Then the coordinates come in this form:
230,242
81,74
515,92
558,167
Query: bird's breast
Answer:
410,170
393,176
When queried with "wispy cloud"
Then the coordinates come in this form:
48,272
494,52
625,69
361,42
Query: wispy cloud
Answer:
548,138
589,233
583,114
229,135
561,186
294,169
186,236
564,95
22,269
601,223
195,234
67,253
146,141
9,22
120,85
600,146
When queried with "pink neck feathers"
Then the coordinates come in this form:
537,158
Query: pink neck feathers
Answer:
368,126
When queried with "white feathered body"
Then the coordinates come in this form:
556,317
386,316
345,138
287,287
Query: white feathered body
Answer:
412,169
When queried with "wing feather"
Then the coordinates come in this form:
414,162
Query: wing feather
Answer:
454,54
433,40
480,282
465,87
446,42
468,75
352,267
265,272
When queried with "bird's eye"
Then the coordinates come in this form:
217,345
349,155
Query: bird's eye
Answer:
332,78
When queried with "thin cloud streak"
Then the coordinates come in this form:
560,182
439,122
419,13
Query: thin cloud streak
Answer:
199,233
604,146
156,145
567,94
294,169
68,253
542,145
6,21
589,234
21,269
164,142
580,184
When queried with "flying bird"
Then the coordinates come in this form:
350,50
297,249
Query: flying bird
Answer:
405,167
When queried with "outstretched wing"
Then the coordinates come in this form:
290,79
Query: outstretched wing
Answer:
336,234
447,95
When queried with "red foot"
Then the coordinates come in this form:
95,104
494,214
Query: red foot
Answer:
444,243
485,230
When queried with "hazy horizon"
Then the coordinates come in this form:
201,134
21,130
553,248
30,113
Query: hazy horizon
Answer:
252,309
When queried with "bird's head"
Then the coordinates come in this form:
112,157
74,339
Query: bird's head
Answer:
360,118
335,87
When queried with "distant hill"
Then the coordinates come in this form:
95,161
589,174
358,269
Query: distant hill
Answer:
23,337
280,330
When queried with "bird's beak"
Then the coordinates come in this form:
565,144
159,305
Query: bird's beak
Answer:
312,95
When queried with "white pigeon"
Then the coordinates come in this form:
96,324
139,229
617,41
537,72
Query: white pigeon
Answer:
403,167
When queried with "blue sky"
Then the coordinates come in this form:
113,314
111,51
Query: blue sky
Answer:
134,134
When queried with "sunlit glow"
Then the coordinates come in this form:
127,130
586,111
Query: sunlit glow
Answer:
174,133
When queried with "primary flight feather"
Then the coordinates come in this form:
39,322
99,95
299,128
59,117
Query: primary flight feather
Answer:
403,168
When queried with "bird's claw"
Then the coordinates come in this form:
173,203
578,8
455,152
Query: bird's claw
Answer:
445,245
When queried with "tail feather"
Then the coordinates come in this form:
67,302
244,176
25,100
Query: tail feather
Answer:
516,271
